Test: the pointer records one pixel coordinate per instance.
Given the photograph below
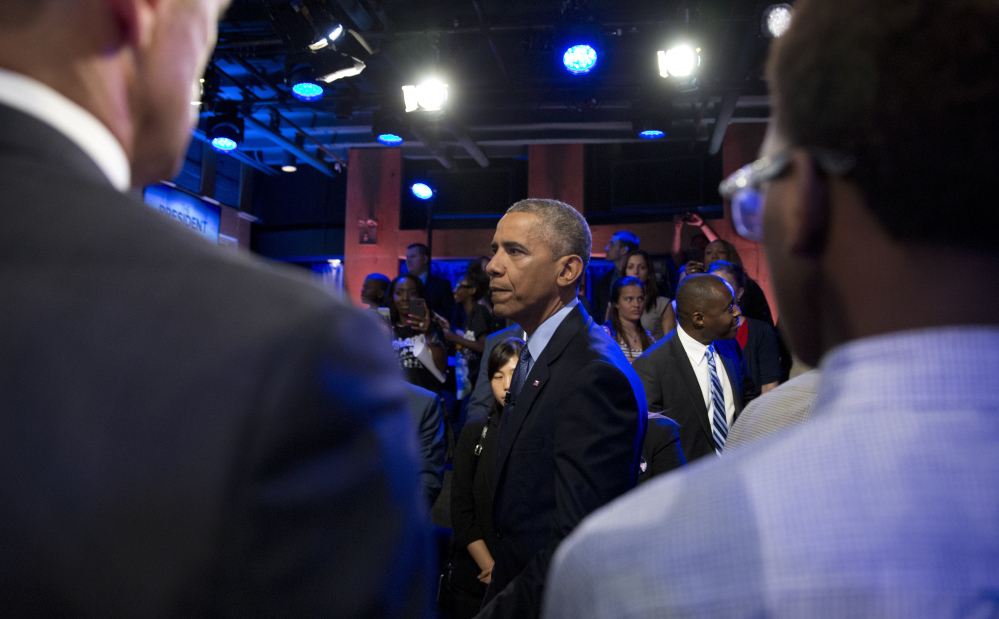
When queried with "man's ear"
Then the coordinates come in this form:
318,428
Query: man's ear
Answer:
570,270
134,20
809,218
697,319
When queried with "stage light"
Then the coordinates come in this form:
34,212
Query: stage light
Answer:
579,59
333,65
389,139
303,84
429,95
335,32
422,191
651,117
225,129
289,162
679,61
776,19
388,126
652,134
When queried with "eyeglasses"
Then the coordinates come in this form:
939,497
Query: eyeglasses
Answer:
745,186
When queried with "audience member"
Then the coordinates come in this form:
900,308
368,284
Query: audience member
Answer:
696,375
754,302
757,340
472,490
621,243
786,406
417,340
572,389
883,503
373,290
654,320
480,403
185,431
440,297
471,340
694,253
624,325
661,450
428,416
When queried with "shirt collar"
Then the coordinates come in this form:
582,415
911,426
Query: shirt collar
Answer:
694,349
543,334
31,97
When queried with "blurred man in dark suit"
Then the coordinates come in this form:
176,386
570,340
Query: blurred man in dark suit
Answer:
440,295
184,432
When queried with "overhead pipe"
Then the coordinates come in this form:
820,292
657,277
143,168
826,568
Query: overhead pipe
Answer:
290,146
467,143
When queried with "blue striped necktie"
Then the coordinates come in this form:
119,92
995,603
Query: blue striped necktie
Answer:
719,427
519,375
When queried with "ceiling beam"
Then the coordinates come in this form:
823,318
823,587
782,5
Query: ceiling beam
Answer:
291,147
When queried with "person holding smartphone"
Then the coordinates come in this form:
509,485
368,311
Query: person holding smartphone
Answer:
417,340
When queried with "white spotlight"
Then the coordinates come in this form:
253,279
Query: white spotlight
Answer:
776,19
429,95
679,61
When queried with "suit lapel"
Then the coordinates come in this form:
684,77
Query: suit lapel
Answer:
513,418
690,382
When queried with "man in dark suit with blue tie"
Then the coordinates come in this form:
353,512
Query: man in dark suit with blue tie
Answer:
696,374
571,433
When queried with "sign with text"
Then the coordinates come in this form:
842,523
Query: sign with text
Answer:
195,213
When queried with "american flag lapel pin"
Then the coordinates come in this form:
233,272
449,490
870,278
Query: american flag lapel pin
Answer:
535,383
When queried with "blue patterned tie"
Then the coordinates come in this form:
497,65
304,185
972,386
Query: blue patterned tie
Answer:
519,375
719,427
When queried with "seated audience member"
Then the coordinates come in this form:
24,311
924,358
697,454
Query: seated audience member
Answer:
883,503
373,290
417,340
786,406
625,326
472,489
471,340
661,451
696,374
428,416
757,339
654,319
184,431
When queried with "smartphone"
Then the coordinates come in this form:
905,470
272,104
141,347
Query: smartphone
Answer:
418,308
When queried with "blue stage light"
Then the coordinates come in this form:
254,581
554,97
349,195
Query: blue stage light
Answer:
389,139
580,59
652,134
307,91
422,191
223,145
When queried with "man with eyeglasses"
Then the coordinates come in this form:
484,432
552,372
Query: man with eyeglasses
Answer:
883,503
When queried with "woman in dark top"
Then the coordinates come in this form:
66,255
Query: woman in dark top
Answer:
757,339
416,339
470,341
472,489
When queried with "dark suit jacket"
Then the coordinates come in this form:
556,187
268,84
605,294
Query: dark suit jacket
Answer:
570,444
428,416
601,293
186,431
661,451
440,295
482,398
671,388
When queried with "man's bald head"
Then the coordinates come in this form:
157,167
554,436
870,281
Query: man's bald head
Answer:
705,308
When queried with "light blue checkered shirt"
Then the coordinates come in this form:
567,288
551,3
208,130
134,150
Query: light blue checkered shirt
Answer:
884,504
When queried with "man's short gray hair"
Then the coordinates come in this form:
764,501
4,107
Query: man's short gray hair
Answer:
560,226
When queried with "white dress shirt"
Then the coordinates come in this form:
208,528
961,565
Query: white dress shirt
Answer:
543,334
34,98
699,361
